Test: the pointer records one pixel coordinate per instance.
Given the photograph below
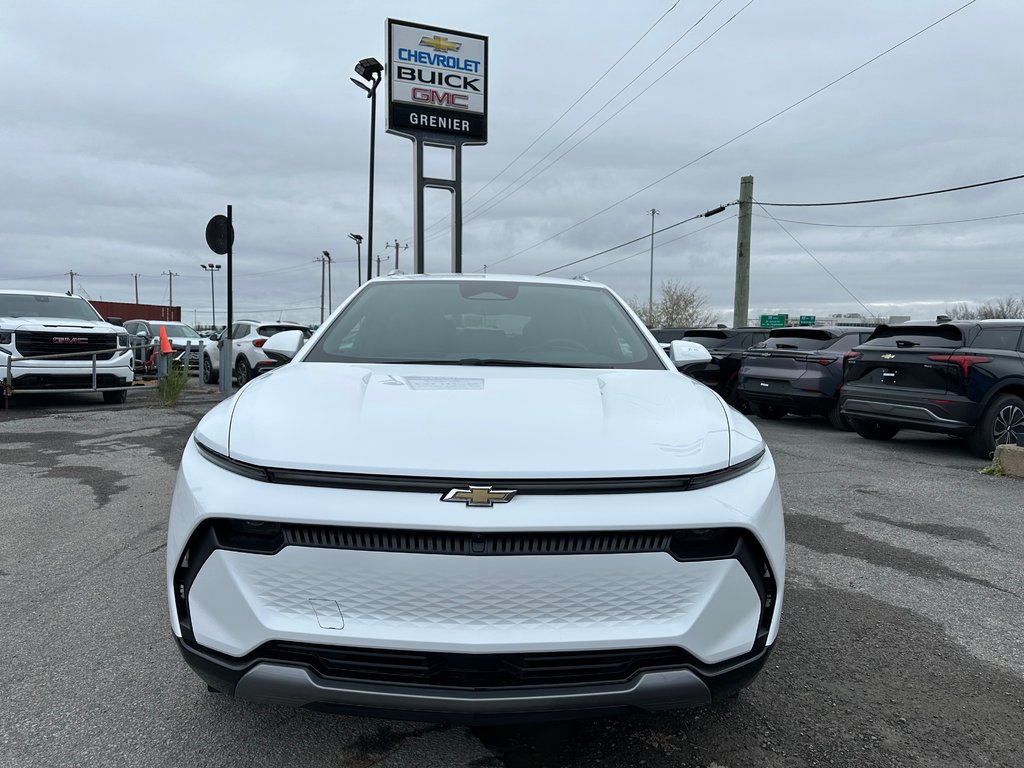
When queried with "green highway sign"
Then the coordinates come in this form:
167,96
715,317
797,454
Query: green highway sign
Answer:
774,321
807,319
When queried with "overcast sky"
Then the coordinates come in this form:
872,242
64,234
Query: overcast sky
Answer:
126,126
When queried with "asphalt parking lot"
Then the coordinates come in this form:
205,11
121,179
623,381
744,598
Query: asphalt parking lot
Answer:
902,642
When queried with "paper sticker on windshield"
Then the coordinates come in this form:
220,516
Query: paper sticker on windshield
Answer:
443,382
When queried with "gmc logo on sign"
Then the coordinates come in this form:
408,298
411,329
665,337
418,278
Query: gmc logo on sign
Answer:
70,340
430,96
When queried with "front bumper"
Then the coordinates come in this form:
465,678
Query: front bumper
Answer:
261,678
40,375
348,589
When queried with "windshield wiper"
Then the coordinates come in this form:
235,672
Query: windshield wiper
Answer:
502,361
521,363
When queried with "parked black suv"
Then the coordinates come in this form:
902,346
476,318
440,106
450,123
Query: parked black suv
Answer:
726,346
961,378
798,370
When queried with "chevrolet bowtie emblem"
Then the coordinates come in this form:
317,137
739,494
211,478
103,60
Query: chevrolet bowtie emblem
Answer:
478,496
888,356
442,44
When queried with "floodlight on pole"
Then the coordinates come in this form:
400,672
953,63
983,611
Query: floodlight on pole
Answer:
371,71
359,257
211,268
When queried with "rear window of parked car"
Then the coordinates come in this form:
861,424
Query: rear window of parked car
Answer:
270,330
917,336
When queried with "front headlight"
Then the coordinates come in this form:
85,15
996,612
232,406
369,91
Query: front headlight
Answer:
122,341
6,337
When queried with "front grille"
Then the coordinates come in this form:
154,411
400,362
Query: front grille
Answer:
457,543
473,671
37,343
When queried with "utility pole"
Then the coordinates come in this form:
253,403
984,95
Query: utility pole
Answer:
396,246
136,276
379,260
72,274
170,286
650,290
330,292
741,300
323,261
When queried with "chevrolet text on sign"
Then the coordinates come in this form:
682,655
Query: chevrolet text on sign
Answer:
437,82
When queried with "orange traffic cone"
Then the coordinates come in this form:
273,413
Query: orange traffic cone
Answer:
165,345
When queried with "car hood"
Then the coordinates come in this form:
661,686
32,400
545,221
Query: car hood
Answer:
47,324
486,422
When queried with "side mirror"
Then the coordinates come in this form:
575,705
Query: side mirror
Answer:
142,335
688,355
283,346
115,320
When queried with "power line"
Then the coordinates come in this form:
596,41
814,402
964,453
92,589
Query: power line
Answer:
662,244
804,249
512,189
893,226
748,131
898,197
707,213
575,103
447,217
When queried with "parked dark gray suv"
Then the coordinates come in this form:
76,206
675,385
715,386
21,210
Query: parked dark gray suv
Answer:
798,370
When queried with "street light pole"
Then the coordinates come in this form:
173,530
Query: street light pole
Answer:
211,268
371,71
359,257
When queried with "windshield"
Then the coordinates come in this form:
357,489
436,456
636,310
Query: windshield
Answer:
486,322
178,330
30,305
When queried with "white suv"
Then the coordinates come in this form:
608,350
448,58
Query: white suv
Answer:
247,358
55,342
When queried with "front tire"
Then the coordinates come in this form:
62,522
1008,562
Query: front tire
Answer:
1002,423
768,410
116,397
243,371
874,430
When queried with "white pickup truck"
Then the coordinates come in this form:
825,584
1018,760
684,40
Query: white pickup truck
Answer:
55,342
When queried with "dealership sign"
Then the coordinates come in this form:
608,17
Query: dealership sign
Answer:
437,83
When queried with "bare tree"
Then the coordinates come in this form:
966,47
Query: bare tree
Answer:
1009,307
681,305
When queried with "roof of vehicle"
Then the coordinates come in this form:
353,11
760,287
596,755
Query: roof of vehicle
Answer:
955,323
494,277
33,292
838,330
744,329
150,320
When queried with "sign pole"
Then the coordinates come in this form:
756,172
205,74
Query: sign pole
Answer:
225,355
457,209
